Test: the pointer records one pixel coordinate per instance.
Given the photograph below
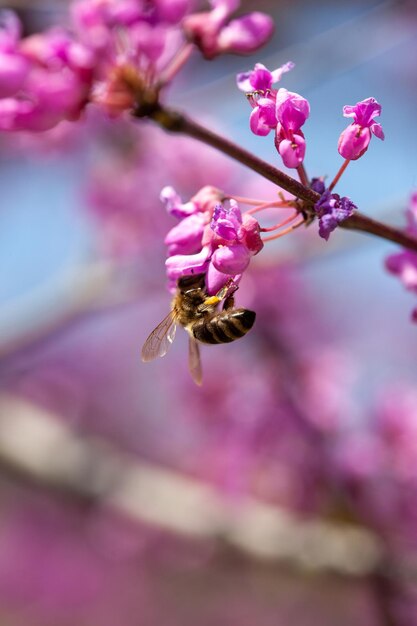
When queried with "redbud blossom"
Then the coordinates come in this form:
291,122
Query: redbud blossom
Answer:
331,209
234,239
13,65
404,264
210,239
214,34
257,84
45,78
260,78
292,110
354,140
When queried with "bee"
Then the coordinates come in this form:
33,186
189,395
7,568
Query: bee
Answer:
198,313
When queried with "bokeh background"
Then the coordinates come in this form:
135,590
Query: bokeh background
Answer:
283,490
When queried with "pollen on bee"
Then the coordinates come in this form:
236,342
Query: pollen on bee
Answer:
212,300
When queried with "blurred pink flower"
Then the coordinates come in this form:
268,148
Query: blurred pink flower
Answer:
214,34
404,264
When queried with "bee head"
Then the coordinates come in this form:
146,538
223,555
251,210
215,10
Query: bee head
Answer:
192,281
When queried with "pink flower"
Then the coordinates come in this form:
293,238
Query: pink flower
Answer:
186,238
404,264
44,79
258,87
212,32
213,240
13,66
184,264
234,240
263,118
354,140
292,110
260,78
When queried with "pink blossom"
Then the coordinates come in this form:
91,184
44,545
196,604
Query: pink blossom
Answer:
260,78
263,118
13,66
184,264
246,34
212,32
234,240
213,240
354,140
174,204
185,238
404,264
292,110
46,78
291,150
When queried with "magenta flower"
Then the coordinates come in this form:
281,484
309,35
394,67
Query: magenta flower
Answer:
44,79
263,119
184,264
234,240
354,140
260,78
214,34
174,204
258,86
185,238
14,67
404,264
210,239
331,209
292,110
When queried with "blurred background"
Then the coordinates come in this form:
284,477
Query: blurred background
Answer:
283,490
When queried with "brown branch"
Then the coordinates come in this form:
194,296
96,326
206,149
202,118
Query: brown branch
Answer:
176,122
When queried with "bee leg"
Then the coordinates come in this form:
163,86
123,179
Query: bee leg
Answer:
229,303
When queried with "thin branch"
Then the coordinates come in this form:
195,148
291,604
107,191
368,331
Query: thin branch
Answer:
176,122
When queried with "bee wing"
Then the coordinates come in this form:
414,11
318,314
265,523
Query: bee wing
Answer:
194,361
160,340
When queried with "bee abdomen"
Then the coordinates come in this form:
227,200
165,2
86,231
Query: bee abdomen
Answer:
224,327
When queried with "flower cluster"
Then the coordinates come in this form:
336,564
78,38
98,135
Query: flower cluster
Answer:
286,112
404,264
117,53
44,78
280,110
331,209
211,239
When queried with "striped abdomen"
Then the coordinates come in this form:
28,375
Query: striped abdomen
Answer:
224,327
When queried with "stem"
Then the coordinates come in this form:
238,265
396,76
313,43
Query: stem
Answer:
269,205
284,232
338,175
281,224
176,122
303,175
243,200
365,224
176,64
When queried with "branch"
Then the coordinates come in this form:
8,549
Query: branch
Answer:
176,122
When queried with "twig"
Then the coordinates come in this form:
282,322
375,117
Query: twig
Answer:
175,121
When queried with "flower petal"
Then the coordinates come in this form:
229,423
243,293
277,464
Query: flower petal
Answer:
232,259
